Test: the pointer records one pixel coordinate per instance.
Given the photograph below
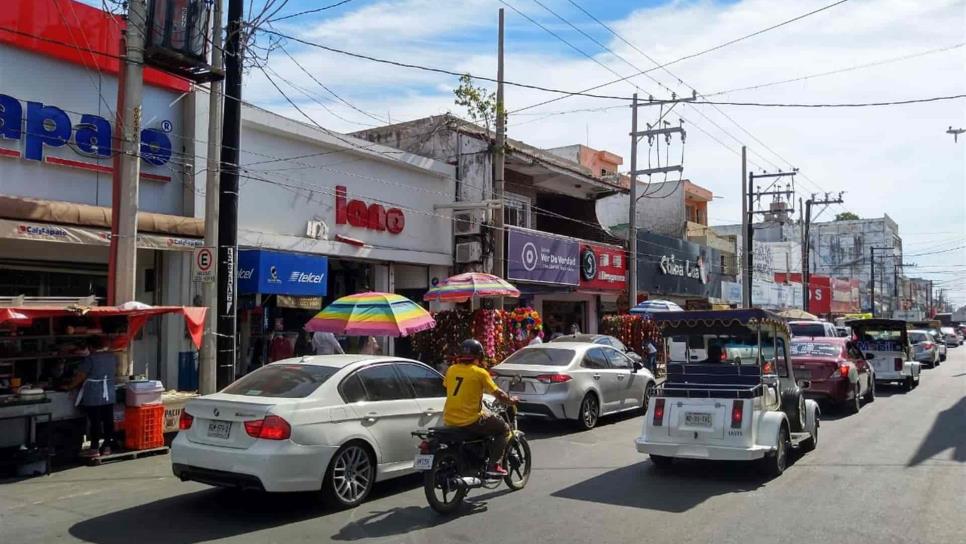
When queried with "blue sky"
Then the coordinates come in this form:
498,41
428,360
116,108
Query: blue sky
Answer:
896,160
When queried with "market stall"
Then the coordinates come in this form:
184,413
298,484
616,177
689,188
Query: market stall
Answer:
41,347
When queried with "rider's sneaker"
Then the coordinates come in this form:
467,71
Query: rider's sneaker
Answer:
496,471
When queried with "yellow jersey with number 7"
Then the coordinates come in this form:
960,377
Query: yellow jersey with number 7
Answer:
465,385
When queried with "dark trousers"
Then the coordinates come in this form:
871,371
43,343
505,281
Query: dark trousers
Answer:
101,420
492,425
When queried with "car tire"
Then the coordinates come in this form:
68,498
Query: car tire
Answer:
649,390
796,414
774,465
870,394
661,461
942,358
907,384
353,463
589,412
855,404
810,443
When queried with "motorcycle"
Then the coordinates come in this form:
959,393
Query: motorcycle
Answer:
455,461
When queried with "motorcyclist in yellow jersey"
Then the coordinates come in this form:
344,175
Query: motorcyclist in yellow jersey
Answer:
466,382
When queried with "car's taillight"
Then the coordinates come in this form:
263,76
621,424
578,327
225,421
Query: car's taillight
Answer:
898,363
658,412
185,421
553,378
270,428
843,370
737,413
928,345
424,447
724,356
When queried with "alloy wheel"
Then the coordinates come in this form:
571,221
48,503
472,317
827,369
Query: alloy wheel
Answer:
589,411
352,474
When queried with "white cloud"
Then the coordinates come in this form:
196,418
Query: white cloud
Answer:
895,160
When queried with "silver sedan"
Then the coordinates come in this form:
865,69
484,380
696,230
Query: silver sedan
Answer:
575,381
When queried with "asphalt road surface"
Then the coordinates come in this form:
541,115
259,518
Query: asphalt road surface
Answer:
896,472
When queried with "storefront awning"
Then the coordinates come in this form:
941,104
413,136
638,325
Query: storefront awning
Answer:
99,217
70,234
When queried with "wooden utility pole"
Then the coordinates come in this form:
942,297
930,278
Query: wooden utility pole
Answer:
499,158
228,196
745,231
207,375
122,264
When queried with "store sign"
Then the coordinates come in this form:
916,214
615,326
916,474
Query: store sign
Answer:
368,216
277,273
542,258
731,291
672,266
42,126
203,265
602,267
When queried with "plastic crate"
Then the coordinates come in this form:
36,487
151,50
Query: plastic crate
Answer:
144,427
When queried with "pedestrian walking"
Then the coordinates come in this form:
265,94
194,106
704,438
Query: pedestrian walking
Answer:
651,357
280,348
326,344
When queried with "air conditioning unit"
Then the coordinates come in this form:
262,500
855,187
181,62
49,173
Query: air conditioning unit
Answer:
317,230
469,252
466,222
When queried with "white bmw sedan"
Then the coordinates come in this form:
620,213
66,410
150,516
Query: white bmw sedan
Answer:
335,423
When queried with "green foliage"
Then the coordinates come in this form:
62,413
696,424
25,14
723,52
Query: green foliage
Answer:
481,106
846,216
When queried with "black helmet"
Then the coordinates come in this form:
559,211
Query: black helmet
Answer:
471,349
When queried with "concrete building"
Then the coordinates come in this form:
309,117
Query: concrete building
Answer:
565,264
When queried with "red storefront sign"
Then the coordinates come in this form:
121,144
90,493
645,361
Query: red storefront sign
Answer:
368,216
602,267
819,291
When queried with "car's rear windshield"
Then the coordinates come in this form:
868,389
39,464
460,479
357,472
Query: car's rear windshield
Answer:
807,329
916,337
281,380
948,330
541,356
811,349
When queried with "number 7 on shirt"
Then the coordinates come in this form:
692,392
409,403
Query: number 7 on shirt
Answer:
459,383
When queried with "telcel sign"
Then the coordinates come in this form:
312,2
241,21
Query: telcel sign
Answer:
45,125
272,272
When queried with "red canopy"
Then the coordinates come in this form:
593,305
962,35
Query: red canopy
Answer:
137,315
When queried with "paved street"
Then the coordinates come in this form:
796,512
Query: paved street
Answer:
894,473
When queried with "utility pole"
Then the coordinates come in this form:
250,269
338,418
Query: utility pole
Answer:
806,240
872,251
753,196
122,264
895,280
636,135
499,158
207,374
746,241
228,197
632,214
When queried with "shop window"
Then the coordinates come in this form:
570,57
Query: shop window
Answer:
517,210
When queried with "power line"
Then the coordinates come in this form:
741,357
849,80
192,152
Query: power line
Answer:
308,11
693,55
439,70
840,70
839,105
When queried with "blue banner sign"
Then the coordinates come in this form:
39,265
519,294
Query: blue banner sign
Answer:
542,258
277,273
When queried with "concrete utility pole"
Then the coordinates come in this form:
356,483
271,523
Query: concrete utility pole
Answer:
207,375
806,241
228,197
895,280
632,215
124,206
746,240
872,251
754,195
636,135
499,157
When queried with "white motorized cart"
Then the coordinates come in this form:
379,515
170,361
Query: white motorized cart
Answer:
885,343
719,409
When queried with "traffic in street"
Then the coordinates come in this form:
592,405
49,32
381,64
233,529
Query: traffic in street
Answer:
894,472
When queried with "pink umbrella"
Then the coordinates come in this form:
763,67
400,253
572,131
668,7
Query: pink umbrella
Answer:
470,285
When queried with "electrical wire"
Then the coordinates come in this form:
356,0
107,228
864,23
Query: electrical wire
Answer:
308,11
839,105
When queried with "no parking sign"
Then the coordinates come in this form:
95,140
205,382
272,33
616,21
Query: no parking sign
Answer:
203,265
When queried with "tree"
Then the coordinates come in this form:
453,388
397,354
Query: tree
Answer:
480,105
846,216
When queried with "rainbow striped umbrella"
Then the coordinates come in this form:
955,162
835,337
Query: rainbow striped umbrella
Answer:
372,314
463,287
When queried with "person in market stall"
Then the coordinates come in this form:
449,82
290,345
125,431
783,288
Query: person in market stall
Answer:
303,345
280,348
536,340
94,382
370,346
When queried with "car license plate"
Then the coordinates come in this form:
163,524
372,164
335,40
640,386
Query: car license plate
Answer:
697,419
518,387
423,462
219,429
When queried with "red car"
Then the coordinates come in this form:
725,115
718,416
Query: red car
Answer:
837,369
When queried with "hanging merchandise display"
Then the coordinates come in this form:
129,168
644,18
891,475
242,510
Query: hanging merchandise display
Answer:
501,333
525,325
634,331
